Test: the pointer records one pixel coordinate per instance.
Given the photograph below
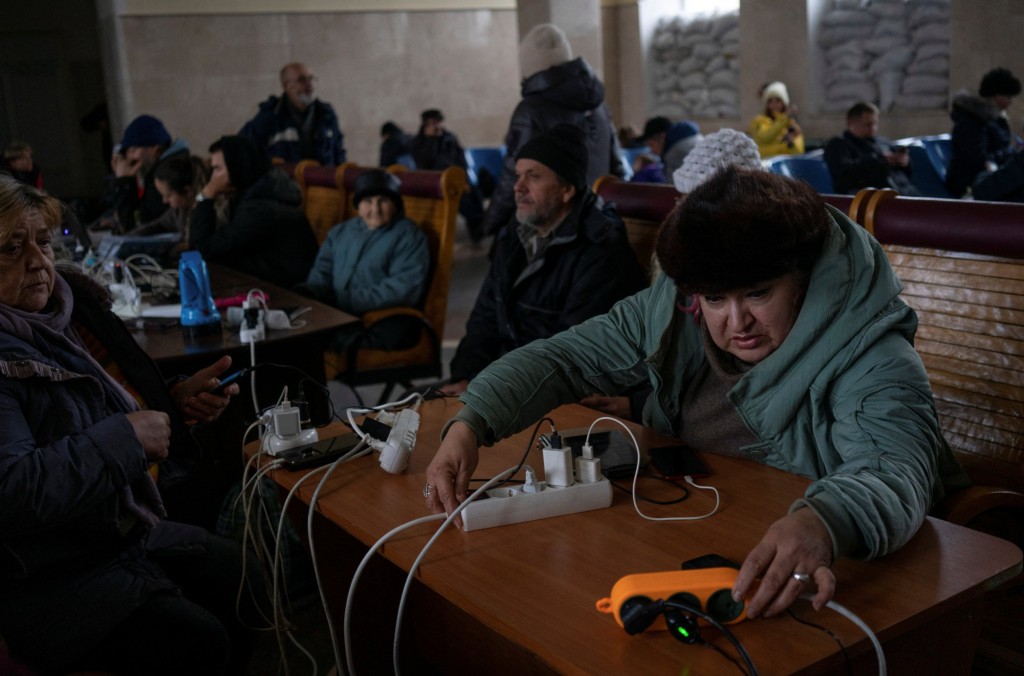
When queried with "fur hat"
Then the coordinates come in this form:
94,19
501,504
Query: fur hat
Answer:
378,182
740,228
543,47
246,162
145,130
714,151
775,90
563,149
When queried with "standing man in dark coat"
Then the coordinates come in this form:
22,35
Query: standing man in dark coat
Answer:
266,235
435,148
556,89
563,258
860,159
296,125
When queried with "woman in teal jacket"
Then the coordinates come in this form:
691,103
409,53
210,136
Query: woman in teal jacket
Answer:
377,260
776,334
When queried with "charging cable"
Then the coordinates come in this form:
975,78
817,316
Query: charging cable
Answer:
862,625
430,543
636,476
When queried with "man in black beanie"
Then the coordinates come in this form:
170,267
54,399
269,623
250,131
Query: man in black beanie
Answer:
564,258
266,234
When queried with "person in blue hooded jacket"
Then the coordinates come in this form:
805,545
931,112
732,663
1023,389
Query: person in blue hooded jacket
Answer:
776,334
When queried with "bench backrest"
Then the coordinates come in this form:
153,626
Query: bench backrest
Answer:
962,266
322,201
643,206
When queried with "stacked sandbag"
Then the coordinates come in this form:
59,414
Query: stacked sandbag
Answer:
695,67
891,52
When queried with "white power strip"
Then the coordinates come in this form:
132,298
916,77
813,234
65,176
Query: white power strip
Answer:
512,505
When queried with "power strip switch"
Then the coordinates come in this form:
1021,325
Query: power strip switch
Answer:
505,505
253,327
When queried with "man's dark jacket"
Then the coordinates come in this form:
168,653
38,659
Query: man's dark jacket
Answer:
568,93
857,163
437,153
275,129
267,235
133,208
587,267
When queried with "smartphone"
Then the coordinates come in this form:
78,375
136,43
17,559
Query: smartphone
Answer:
319,452
228,379
677,462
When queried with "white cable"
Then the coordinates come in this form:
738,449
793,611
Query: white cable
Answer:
414,396
852,617
636,476
415,564
358,451
349,660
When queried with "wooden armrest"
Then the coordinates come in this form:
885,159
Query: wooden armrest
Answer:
965,505
373,316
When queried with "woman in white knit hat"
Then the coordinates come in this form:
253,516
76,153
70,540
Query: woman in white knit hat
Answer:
776,131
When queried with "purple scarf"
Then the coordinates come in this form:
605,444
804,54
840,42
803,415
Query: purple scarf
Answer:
139,501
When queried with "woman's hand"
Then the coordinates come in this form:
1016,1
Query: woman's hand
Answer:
797,544
153,429
449,472
193,396
616,406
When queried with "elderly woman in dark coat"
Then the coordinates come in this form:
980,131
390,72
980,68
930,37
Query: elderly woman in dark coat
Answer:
91,575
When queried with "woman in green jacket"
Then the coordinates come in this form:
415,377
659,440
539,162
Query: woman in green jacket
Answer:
776,333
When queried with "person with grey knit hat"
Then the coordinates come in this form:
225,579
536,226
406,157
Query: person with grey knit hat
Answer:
563,257
556,89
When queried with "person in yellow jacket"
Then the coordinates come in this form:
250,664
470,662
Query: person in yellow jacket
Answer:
776,132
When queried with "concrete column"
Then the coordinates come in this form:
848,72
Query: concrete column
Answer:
579,19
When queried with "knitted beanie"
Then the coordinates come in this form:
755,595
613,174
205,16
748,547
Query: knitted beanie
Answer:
563,149
543,47
714,151
245,161
775,90
145,130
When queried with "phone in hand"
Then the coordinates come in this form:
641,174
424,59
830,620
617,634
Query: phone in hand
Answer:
228,379
677,462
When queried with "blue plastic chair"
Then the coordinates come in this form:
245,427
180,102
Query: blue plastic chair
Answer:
406,161
810,168
939,148
923,172
491,158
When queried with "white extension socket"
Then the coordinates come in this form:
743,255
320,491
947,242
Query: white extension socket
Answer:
505,505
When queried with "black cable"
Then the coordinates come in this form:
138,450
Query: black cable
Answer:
751,669
724,654
684,489
522,461
842,648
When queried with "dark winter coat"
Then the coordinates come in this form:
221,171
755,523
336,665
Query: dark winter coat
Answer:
586,268
437,153
275,129
857,162
267,235
567,93
980,134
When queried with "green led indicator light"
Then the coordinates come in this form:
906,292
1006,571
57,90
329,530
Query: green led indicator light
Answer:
683,632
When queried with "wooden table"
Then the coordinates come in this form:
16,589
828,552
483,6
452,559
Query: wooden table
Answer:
520,599
301,346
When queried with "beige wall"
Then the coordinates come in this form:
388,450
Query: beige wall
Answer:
204,75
